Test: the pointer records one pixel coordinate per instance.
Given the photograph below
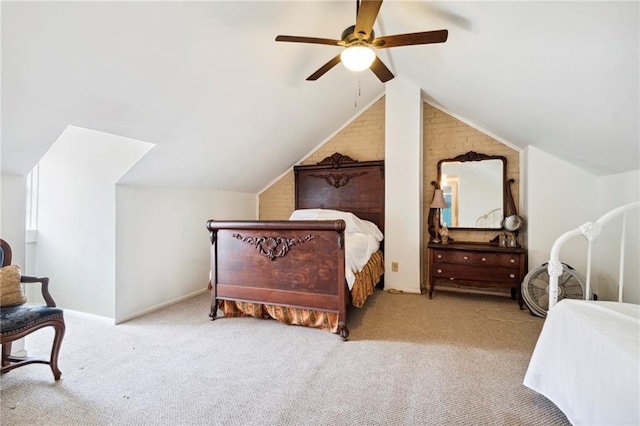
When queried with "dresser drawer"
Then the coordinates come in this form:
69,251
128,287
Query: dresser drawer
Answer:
499,259
495,274
476,258
457,257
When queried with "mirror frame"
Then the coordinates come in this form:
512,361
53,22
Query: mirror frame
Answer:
508,204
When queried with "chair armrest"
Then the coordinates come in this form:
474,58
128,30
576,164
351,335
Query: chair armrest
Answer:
44,287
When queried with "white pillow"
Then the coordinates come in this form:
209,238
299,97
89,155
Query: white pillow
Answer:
353,223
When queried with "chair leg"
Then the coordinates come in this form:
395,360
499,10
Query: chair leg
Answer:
6,353
59,328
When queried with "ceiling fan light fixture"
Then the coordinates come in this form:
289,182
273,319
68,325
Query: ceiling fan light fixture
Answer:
357,58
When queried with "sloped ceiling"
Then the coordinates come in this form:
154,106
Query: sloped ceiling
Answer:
229,108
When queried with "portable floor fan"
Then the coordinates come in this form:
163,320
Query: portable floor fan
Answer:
535,288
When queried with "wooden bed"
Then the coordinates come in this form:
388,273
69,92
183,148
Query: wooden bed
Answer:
297,267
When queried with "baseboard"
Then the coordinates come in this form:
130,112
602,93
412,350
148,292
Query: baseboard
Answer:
158,307
89,316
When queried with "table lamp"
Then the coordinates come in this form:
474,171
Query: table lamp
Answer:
437,203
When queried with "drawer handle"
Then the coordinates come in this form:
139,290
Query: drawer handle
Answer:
439,256
466,258
439,271
512,275
512,260
484,259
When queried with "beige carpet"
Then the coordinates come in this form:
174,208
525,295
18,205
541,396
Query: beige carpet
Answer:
455,360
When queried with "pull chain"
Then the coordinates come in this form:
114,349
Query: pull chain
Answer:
359,92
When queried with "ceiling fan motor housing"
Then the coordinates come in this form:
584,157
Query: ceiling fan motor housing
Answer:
349,37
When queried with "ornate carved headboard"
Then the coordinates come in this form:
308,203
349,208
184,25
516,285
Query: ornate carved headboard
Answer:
341,183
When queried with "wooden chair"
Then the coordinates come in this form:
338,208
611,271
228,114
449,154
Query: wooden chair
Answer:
18,321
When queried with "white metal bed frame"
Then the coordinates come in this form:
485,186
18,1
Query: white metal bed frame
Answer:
590,231
490,219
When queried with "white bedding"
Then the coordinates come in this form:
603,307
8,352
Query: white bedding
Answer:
362,237
587,362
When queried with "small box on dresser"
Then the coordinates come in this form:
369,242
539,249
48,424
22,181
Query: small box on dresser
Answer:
479,265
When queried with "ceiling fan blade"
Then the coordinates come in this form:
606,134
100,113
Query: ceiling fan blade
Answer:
313,40
323,69
381,71
367,14
426,37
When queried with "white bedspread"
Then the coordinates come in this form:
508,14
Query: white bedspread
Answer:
587,362
362,237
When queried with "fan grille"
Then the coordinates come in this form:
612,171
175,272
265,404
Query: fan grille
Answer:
535,288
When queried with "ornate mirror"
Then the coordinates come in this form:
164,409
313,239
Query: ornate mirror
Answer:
476,191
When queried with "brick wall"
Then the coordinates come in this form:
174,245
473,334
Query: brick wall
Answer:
443,137
446,137
362,140
276,202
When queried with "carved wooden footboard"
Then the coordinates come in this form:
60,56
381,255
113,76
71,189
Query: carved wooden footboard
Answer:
299,264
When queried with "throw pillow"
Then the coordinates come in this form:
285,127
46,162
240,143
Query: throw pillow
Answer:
10,287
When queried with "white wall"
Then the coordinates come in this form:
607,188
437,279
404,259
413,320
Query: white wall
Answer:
163,248
614,191
120,251
76,216
403,180
557,197
618,189
12,229
13,201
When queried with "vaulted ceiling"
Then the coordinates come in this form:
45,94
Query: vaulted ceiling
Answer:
229,108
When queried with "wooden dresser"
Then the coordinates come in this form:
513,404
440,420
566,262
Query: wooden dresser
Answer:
479,265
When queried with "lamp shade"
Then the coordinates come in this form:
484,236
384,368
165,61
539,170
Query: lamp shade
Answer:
357,58
438,200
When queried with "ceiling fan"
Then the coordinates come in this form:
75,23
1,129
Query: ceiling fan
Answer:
359,40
